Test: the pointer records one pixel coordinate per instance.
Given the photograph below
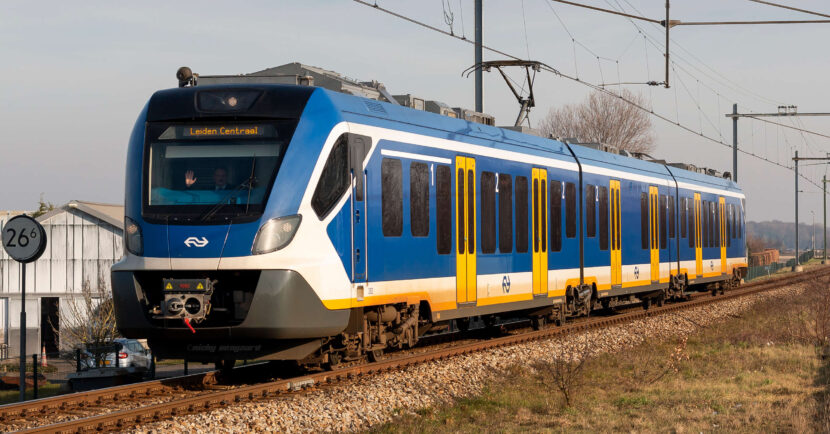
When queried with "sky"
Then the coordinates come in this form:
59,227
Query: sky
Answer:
76,74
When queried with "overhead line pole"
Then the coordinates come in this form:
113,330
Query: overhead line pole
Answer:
796,159
788,111
667,26
478,58
735,143
824,185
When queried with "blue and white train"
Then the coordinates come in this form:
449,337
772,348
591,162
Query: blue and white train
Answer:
296,223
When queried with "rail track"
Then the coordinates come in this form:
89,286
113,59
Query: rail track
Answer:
208,397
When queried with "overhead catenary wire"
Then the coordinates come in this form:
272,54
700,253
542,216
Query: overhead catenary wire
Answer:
790,8
790,127
569,77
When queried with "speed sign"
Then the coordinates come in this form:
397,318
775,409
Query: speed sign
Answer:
24,239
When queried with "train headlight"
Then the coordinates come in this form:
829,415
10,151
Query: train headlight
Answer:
133,240
276,234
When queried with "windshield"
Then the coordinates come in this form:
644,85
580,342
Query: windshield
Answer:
210,172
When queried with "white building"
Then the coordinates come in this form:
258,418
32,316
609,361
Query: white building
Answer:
83,241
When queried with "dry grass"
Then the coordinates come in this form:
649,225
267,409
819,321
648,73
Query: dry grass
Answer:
747,374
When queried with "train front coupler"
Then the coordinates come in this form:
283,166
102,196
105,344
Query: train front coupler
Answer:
185,299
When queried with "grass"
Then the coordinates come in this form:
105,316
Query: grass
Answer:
746,374
12,396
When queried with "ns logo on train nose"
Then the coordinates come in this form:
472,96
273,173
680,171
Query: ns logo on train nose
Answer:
196,242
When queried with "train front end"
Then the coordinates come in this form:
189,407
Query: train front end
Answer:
214,267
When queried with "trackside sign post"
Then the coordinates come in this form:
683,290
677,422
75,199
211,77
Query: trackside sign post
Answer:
24,240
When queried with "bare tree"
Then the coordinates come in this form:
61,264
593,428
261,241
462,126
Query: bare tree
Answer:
88,321
565,373
606,119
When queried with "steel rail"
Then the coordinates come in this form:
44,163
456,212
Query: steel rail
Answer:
125,419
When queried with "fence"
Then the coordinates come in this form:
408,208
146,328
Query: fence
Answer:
768,270
53,375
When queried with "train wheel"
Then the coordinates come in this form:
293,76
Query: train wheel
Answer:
334,360
463,324
225,366
376,355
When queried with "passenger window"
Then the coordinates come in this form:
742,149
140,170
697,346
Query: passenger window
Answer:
672,221
459,204
683,210
570,210
543,210
644,221
334,180
590,211
471,210
521,214
603,218
535,215
704,214
488,212
690,206
729,229
419,199
505,213
662,205
555,216
713,225
443,205
391,192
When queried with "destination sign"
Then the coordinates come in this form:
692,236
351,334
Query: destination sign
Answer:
219,131
223,131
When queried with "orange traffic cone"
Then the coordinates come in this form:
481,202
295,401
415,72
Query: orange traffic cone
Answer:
43,357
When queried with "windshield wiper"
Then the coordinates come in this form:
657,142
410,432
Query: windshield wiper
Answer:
225,200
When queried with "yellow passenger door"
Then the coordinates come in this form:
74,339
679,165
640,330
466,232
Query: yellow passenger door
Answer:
722,229
540,231
698,238
655,231
616,256
465,229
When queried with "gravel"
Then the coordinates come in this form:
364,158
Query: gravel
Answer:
370,401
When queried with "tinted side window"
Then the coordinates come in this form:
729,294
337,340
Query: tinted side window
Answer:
672,222
459,213
535,201
471,211
419,199
555,216
334,180
603,218
662,205
729,229
521,214
740,217
713,225
570,210
704,214
590,211
644,221
690,206
505,213
488,212
443,206
391,197
684,203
